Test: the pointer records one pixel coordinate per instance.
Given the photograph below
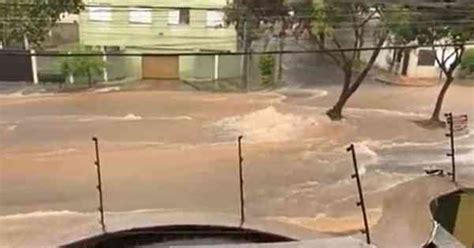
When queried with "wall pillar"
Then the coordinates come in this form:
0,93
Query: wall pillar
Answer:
34,67
104,70
216,67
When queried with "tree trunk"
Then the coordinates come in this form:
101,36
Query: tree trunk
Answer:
280,59
439,102
335,113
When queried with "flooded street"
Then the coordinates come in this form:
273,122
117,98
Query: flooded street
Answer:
176,151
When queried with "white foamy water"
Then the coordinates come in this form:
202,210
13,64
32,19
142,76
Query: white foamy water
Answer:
57,152
21,94
16,94
173,118
389,144
360,112
312,93
374,183
94,118
11,128
107,89
386,112
41,214
324,223
365,155
461,158
267,125
128,117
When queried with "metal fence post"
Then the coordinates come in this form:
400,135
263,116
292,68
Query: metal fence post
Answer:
449,120
361,202
241,181
99,185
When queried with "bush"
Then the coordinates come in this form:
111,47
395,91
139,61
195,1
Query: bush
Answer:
83,66
467,63
266,66
51,77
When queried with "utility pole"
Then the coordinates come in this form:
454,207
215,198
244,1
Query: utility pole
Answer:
5,26
245,58
99,185
361,202
450,121
241,182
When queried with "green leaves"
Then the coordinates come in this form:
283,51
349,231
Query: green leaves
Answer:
399,22
82,66
431,25
33,19
467,63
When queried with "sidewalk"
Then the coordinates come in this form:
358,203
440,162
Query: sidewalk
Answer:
406,81
25,88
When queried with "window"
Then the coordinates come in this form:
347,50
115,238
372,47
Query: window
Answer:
215,19
112,48
178,17
426,58
139,15
101,14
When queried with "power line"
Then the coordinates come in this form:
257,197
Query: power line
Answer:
121,7
92,54
115,6
112,24
205,20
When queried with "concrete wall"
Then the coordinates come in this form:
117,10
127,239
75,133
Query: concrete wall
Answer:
421,71
204,67
196,67
230,66
117,68
62,34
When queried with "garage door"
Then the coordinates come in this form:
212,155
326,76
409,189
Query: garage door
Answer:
162,67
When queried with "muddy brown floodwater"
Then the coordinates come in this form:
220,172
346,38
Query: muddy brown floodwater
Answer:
175,152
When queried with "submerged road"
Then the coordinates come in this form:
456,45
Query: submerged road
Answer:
176,152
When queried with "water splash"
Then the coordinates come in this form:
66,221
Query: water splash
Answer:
57,152
267,125
107,89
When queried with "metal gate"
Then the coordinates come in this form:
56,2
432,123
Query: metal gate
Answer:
14,67
160,67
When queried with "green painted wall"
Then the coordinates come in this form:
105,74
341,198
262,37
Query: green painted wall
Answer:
159,37
158,34
203,67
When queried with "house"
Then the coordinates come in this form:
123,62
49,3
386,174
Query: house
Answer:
64,33
420,62
165,27
414,63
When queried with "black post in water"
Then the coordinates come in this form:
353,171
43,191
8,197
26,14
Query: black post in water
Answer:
361,203
242,206
99,185
450,121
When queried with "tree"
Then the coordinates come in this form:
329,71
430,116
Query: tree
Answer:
247,16
467,63
82,66
29,21
347,24
401,31
446,31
